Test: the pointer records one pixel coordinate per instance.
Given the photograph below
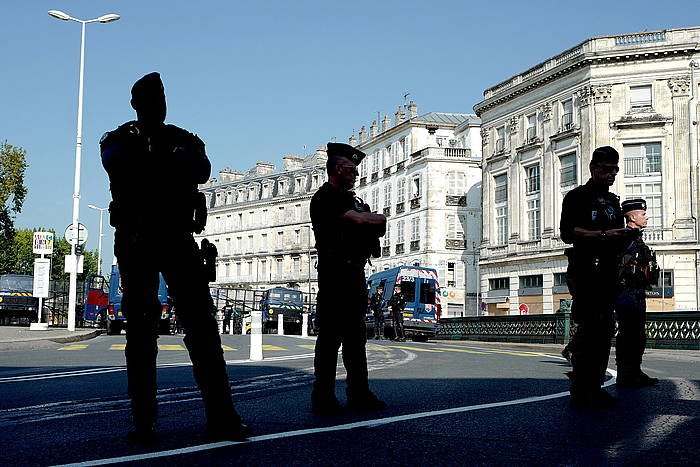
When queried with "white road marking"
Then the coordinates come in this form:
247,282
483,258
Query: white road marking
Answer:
347,426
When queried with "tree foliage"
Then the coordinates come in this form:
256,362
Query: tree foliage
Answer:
13,163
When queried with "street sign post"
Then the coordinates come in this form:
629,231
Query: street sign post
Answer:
43,243
81,237
42,275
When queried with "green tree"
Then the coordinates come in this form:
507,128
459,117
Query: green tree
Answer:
12,193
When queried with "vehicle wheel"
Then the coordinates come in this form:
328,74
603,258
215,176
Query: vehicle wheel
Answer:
113,327
416,338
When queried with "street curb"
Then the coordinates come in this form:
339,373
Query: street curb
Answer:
47,342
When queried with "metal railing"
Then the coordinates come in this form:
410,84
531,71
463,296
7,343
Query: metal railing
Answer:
676,330
641,38
531,134
567,121
642,165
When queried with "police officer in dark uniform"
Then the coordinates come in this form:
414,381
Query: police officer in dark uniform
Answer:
377,307
397,303
347,233
153,171
638,270
592,221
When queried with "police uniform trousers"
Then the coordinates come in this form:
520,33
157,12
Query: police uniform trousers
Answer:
397,318
631,338
141,256
379,324
340,317
594,291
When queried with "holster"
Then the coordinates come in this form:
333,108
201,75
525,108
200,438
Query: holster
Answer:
208,253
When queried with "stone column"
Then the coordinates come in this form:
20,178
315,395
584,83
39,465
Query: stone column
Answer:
549,179
601,115
547,283
683,226
485,190
514,181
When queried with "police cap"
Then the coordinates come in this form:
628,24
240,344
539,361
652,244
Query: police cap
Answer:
633,205
144,86
345,150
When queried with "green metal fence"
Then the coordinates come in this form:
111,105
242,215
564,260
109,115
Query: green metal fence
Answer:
677,330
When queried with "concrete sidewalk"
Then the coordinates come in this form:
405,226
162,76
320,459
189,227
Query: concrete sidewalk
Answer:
20,337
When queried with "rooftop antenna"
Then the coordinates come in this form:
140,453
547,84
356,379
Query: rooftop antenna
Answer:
405,98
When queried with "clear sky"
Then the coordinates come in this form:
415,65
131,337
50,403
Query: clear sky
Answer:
257,80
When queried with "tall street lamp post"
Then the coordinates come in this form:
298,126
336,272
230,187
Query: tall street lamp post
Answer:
99,240
78,150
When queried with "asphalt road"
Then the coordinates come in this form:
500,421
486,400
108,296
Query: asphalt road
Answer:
449,404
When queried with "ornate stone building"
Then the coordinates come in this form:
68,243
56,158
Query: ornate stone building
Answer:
635,92
259,222
422,172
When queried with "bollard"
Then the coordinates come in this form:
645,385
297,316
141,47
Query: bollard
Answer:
220,322
280,324
230,327
244,322
304,325
256,352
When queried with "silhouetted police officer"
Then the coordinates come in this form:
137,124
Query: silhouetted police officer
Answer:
591,219
377,307
154,170
397,303
347,233
637,272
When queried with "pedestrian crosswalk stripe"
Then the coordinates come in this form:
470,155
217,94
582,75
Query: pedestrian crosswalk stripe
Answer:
170,347
117,347
461,350
226,347
74,347
417,349
272,347
371,347
307,346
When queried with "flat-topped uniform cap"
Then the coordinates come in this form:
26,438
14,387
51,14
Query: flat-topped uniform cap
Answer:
144,86
633,205
345,150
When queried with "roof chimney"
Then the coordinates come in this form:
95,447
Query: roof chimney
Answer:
386,123
291,162
352,140
363,134
373,129
399,116
229,175
412,110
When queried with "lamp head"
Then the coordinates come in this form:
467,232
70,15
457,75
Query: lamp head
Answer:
59,14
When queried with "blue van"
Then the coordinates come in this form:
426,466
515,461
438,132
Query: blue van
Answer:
421,291
116,319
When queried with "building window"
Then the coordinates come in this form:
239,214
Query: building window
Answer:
263,270
532,200
387,195
297,266
238,270
375,162
280,215
401,150
297,212
297,236
297,185
401,190
227,269
455,229
263,217
456,183
399,231
560,279
415,229
415,187
568,175
651,192
642,159
531,131
239,245
640,96
239,225
263,243
386,240
567,115
278,265
250,243
501,206
227,248
389,156
451,275
528,282
375,199
499,283
280,239
500,139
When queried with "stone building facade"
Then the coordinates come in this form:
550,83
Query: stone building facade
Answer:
421,171
423,174
635,92
259,222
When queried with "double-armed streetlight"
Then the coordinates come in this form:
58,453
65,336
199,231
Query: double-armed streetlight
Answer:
78,150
